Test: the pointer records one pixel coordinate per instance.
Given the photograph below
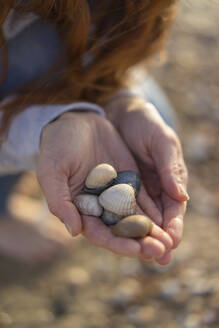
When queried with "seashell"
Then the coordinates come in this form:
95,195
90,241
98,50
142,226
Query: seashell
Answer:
88,205
100,178
129,177
134,226
110,218
119,199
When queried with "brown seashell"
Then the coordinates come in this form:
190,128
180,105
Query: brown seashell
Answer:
134,226
110,218
88,205
119,199
100,176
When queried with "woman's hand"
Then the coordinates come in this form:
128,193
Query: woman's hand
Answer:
157,151
70,147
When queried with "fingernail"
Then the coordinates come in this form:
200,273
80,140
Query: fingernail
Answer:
69,228
183,191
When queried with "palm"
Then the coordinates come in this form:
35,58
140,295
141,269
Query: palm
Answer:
92,140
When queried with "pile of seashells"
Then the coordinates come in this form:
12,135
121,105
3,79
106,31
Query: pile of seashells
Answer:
112,197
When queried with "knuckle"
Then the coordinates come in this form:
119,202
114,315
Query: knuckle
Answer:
182,172
179,169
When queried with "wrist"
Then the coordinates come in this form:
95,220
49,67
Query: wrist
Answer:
118,108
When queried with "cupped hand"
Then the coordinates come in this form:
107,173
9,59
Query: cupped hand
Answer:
158,153
70,147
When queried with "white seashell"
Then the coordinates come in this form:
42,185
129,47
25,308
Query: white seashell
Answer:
100,176
119,199
88,205
110,218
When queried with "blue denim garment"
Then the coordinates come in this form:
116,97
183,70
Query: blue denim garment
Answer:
31,53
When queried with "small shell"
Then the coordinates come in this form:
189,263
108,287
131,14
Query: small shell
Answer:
129,177
100,178
88,205
110,218
119,199
134,226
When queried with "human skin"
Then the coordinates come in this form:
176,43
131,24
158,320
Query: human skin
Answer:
158,153
70,147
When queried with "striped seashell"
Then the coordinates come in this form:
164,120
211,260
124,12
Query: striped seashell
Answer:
134,226
110,218
100,178
88,205
129,177
119,199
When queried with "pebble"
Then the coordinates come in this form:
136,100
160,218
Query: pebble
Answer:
130,267
199,147
127,292
5,319
59,307
139,315
209,317
192,321
77,277
134,226
170,289
201,287
43,315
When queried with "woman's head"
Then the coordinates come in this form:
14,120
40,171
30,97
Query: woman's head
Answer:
100,46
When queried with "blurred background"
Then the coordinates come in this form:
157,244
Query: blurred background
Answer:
87,287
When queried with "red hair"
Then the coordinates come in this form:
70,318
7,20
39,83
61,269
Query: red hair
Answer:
126,33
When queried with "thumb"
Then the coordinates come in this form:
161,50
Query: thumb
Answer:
56,191
168,159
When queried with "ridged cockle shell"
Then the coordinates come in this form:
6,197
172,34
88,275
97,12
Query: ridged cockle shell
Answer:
134,226
88,205
100,178
110,218
129,177
119,199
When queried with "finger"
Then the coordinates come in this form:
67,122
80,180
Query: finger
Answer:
173,218
159,234
166,259
149,207
100,235
146,257
162,236
56,191
151,248
168,158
